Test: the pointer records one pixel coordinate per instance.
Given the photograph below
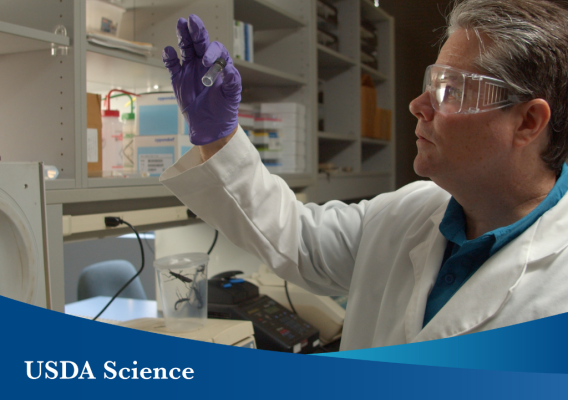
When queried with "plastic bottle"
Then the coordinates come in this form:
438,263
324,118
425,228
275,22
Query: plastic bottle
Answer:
128,132
112,143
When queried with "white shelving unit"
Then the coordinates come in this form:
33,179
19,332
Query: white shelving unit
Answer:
370,162
44,118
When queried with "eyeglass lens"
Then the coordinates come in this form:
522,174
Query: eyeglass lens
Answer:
446,88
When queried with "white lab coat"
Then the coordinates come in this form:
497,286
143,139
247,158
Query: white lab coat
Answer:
385,253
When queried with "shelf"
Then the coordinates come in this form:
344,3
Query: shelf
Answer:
298,180
18,39
377,76
336,136
130,4
263,15
372,13
254,74
129,71
375,142
332,63
293,180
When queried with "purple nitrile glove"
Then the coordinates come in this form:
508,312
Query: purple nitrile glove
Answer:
211,112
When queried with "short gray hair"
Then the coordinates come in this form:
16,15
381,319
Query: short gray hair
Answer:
529,51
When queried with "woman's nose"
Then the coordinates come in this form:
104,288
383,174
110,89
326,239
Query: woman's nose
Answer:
421,107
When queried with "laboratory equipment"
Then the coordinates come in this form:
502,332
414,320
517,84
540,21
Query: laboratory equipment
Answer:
182,279
214,71
112,142
227,332
326,313
128,133
23,243
275,327
112,135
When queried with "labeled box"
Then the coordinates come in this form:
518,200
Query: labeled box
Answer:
159,114
154,154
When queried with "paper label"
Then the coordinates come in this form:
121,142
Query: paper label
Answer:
155,164
92,145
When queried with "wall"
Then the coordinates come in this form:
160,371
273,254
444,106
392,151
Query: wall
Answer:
418,26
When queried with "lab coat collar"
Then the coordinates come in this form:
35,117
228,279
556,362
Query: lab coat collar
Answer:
485,293
426,260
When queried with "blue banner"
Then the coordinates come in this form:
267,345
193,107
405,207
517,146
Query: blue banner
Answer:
47,354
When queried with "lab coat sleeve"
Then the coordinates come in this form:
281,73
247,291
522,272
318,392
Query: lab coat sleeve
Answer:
312,246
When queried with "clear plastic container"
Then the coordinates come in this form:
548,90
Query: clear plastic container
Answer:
128,153
183,290
112,143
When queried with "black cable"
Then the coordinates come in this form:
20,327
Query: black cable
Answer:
114,221
149,245
214,241
288,296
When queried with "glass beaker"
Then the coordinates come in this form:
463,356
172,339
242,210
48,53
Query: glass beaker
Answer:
183,290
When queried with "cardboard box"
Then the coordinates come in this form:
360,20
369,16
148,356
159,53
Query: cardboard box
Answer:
94,136
154,154
382,124
159,114
368,106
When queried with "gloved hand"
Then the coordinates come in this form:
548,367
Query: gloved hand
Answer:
211,112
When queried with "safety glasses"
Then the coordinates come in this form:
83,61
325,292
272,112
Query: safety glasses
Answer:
454,91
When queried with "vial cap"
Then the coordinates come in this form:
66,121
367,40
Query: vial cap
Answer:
110,113
128,116
222,62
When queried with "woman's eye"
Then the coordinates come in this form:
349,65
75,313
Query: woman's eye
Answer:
452,93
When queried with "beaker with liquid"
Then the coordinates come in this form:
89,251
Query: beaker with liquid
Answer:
182,279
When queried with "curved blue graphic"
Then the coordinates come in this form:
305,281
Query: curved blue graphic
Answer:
536,346
33,334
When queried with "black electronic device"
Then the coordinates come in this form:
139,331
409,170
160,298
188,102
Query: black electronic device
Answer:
275,327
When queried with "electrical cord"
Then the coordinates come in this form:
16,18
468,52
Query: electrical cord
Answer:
149,245
288,296
214,241
112,222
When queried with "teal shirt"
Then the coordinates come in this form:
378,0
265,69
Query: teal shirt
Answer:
463,257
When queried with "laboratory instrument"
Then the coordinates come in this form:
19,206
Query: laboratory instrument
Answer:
275,327
213,72
326,313
182,279
227,332
23,242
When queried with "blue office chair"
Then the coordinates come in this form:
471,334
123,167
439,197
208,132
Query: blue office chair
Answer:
106,278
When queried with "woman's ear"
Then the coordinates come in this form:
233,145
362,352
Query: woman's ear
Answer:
533,120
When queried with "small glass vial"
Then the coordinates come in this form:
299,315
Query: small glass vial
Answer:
211,75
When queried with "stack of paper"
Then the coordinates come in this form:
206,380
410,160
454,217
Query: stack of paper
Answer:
145,49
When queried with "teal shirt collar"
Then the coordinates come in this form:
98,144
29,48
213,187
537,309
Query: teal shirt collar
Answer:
453,224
